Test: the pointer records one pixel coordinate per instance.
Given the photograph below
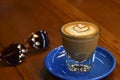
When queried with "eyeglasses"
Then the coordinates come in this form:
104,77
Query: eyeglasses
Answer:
16,53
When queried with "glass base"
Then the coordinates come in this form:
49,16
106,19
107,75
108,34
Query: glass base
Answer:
79,66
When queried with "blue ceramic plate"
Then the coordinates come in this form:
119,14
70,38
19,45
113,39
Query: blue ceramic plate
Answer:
104,63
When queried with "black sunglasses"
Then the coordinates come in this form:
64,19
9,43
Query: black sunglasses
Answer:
16,53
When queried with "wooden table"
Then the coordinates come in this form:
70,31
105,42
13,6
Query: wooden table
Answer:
19,18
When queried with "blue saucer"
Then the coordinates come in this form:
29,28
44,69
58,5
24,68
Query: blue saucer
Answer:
104,64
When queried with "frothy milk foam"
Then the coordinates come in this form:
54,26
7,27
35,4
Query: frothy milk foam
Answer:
80,39
80,29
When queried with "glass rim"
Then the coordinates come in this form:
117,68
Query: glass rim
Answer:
80,37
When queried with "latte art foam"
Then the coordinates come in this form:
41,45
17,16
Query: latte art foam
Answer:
80,29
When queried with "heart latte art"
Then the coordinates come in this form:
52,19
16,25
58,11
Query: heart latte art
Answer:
80,29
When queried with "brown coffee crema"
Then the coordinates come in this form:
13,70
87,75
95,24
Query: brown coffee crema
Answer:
80,29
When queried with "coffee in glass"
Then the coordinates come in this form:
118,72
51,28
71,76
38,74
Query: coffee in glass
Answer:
79,39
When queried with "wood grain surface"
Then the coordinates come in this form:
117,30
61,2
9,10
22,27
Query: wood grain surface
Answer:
19,18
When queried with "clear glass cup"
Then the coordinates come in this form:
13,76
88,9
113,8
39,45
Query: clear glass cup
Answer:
80,40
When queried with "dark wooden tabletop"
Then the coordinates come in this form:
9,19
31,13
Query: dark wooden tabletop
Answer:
19,18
